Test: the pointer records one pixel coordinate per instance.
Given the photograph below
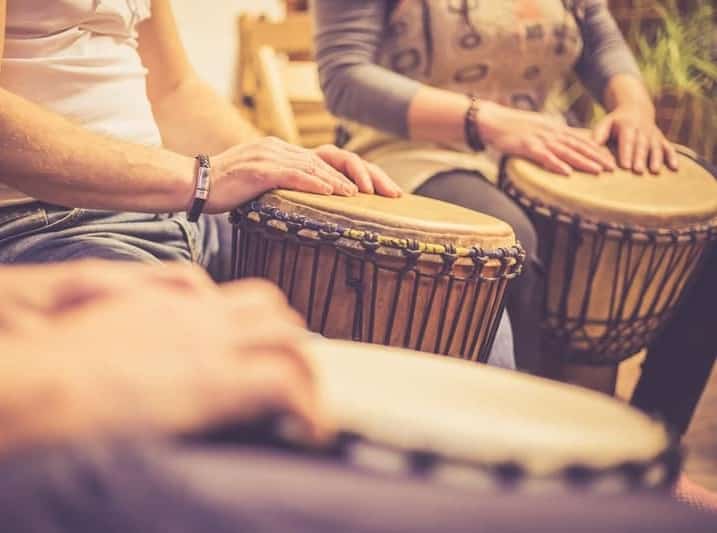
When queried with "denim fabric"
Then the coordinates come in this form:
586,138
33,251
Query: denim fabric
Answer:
43,233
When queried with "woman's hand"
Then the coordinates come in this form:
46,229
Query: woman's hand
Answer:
641,144
547,142
248,170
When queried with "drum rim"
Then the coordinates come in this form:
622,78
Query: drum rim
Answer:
270,431
688,232
330,232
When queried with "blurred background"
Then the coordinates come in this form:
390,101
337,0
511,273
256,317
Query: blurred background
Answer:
675,42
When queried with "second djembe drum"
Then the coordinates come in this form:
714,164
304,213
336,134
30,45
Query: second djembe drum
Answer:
619,250
409,272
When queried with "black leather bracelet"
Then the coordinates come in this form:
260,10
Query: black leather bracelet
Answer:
473,138
201,191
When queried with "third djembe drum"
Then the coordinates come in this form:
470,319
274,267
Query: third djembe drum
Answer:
619,250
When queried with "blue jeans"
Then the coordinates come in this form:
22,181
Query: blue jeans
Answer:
44,233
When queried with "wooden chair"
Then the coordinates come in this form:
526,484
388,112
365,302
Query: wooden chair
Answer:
279,83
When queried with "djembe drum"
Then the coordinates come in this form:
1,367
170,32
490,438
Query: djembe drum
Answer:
453,423
618,249
409,272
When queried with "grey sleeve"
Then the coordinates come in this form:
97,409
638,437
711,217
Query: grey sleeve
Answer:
605,52
348,36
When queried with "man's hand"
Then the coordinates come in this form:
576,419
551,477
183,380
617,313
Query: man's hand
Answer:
44,292
168,352
246,171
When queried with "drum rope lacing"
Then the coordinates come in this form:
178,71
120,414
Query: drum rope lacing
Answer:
489,273
665,259
371,240
275,431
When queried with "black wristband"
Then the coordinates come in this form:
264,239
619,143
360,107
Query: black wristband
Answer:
201,191
473,138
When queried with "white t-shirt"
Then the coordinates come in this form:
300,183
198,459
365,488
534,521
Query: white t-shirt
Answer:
79,58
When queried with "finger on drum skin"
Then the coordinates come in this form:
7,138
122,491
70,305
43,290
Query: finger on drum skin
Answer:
639,162
337,160
602,155
309,423
272,384
340,184
356,168
574,159
287,342
301,181
383,184
339,174
626,148
551,162
656,156
671,155
591,151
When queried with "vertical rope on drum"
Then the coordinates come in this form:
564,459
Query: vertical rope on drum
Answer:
488,344
496,305
672,252
651,271
412,309
312,288
265,259
357,285
449,258
234,270
631,272
693,251
427,313
612,317
282,264
400,276
459,311
477,257
574,242
294,268
329,292
599,239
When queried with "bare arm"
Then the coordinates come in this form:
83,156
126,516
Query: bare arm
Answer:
50,158
192,118
54,387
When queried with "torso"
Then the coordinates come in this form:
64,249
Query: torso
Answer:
79,59
509,51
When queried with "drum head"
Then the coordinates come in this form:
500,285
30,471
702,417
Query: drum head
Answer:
480,414
408,217
665,201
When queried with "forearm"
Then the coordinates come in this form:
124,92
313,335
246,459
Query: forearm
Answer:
605,55
194,119
438,115
628,91
51,159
